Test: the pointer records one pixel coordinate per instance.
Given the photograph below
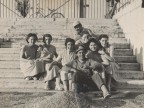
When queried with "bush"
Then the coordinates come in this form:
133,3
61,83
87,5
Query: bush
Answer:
23,7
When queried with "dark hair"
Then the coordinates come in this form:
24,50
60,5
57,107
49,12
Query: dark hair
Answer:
69,40
86,33
78,25
46,35
103,36
31,35
93,40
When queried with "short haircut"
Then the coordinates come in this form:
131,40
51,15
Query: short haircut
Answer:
69,40
93,40
31,35
103,36
46,35
86,34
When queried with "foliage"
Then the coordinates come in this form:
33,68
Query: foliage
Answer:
23,7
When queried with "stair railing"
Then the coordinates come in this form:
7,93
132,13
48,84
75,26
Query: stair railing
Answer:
10,9
123,4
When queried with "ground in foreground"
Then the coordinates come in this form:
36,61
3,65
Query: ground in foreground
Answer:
121,99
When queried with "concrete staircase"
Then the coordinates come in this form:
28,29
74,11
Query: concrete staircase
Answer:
129,75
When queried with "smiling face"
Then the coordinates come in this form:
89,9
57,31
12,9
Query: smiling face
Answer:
47,40
32,40
70,46
104,42
85,38
93,46
81,55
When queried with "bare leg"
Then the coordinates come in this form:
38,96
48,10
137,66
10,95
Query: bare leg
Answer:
105,92
58,87
65,84
70,85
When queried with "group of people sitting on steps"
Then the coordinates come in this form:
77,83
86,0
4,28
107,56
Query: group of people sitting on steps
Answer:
85,63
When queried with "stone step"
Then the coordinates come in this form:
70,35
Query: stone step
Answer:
21,83
33,25
123,52
25,90
10,64
55,33
16,56
130,84
130,74
8,56
125,59
9,50
17,42
14,52
8,44
17,74
53,27
11,83
6,23
69,21
121,45
11,73
129,66
16,65
118,41
58,40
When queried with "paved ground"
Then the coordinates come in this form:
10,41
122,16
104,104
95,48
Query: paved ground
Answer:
122,99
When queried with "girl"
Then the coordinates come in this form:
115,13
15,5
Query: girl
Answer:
29,63
47,55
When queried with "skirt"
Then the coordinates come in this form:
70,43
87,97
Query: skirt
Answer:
31,69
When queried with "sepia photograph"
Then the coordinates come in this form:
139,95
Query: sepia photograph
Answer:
71,54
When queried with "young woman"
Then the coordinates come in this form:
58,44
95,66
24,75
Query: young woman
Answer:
29,64
94,55
47,55
66,56
107,54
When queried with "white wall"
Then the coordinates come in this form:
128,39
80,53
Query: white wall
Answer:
131,19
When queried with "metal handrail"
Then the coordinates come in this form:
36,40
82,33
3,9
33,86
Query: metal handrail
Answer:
57,8
10,9
123,5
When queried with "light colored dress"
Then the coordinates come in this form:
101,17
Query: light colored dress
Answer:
28,64
49,51
65,58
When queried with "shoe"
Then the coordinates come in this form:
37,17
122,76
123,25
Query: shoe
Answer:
28,78
106,96
35,78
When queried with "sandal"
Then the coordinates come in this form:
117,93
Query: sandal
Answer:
59,88
28,78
